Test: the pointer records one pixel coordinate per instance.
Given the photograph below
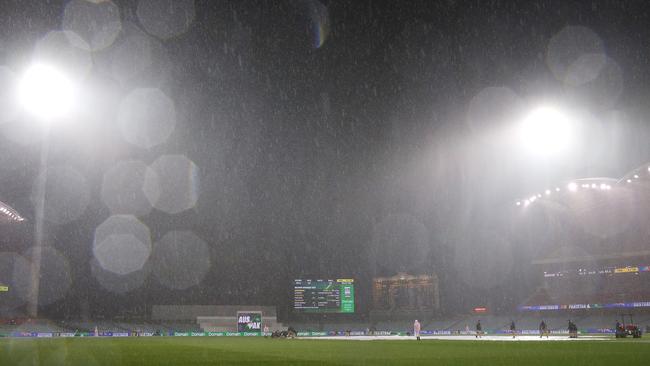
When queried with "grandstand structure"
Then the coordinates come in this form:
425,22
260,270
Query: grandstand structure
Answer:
597,260
213,318
405,296
9,214
593,265
527,323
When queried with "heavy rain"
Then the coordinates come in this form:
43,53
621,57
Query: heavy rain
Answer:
322,170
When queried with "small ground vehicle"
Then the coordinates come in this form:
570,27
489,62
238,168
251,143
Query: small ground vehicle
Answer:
628,329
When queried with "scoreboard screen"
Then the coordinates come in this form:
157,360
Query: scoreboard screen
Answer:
249,322
324,296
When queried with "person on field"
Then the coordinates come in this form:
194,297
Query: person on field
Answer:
573,330
291,332
513,329
543,331
479,329
416,329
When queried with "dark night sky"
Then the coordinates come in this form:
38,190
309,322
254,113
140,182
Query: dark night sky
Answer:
356,158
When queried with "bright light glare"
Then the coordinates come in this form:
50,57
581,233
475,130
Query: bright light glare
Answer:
545,132
45,92
573,187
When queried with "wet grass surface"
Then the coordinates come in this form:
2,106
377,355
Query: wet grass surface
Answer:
256,351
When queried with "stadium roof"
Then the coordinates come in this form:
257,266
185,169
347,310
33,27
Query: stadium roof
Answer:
8,214
635,178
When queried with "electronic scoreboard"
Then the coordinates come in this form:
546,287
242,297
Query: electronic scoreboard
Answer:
323,296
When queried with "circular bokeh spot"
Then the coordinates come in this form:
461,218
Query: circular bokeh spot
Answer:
123,224
172,184
123,188
567,46
146,117
131,57
122,244
319,21
180,260
606,88
121,253
166,18
56,49
140,60
96,22
66,194
118,283
585,69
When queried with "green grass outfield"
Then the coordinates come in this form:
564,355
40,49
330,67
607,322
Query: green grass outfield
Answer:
255,351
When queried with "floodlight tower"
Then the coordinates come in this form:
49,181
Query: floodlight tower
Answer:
48,95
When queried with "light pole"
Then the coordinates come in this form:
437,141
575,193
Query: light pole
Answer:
48,95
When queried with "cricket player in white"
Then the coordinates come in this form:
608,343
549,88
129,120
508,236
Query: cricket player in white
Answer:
416,329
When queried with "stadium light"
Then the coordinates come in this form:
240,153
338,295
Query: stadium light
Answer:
573,187
45,92
545,132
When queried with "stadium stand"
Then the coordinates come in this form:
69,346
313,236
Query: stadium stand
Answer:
556,321
213,318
